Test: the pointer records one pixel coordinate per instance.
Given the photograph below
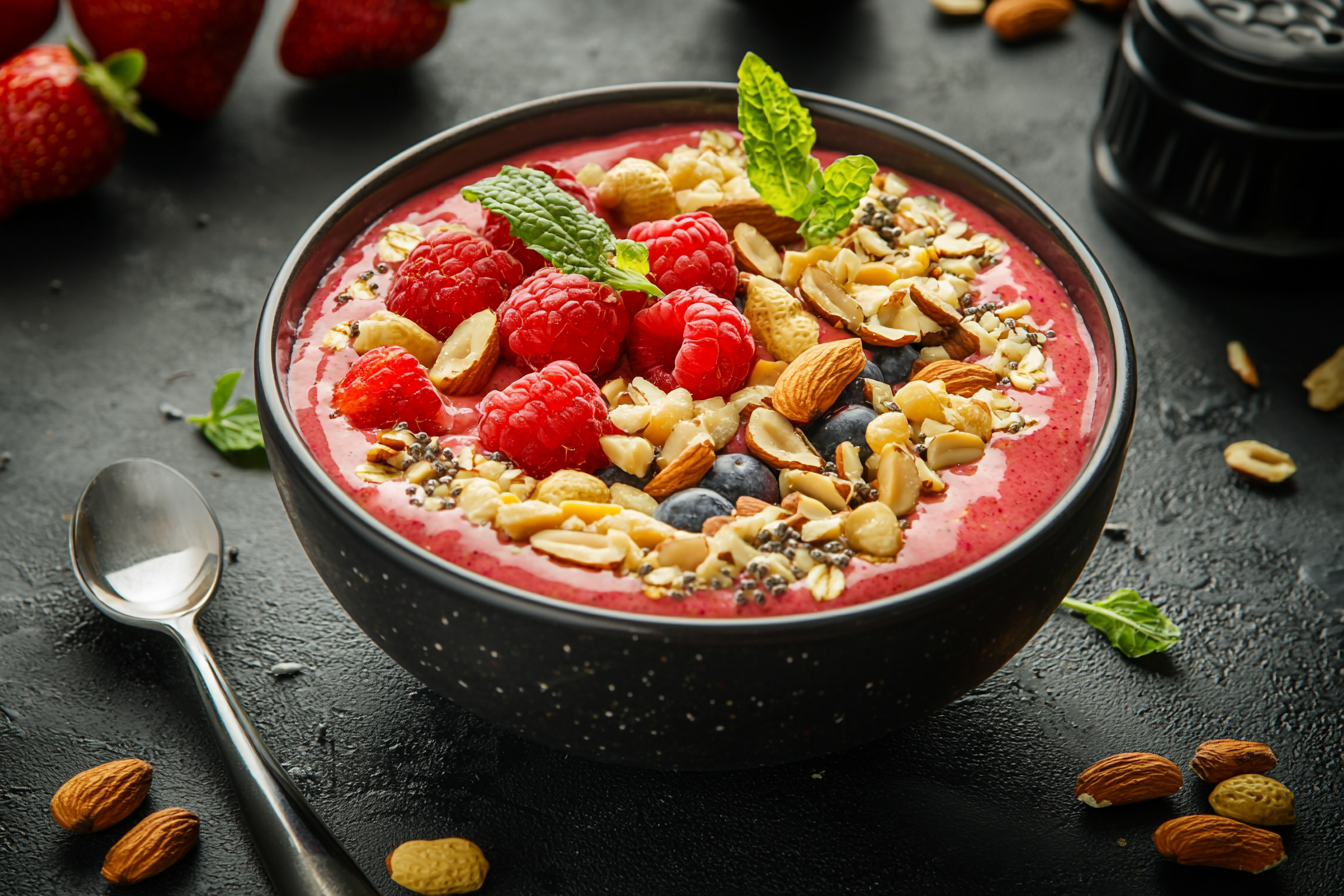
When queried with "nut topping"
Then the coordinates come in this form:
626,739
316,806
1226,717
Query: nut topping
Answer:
583,548
755,254
812,381
959,377
778,320
467,360
689,467
774,439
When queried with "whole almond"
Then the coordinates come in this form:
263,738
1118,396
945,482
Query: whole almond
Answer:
1220,842
152,846
1254,799
1015,20
102,796
814,380
959,377
1218,760
1127,778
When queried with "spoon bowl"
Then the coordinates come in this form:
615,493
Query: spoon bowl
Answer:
147,549
146,545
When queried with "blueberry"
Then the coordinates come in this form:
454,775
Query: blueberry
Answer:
895,363
853,393
845,425
736,475
689,508
612,475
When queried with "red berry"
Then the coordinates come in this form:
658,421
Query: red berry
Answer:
328,37
634,301
449,277
563,317
689,250
496,228
58,135
693,339
387,386
24,21
194,47
547,421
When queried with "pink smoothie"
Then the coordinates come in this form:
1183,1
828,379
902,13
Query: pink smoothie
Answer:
984,506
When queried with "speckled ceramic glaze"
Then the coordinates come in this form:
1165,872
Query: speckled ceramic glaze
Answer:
687,693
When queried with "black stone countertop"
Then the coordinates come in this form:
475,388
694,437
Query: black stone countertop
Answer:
978,798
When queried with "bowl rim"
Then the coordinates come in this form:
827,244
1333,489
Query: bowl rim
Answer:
1112,435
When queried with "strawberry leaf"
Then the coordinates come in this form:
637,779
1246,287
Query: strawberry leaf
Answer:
1134,625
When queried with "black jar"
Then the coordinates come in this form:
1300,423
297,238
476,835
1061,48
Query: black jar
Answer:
1221,137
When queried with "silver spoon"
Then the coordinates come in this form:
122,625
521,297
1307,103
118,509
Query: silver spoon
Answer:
147,551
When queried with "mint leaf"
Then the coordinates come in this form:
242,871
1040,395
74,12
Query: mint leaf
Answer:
778,136
632,256
230,429
844,183
552,222
1134,625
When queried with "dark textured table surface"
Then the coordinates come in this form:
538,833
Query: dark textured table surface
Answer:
977,798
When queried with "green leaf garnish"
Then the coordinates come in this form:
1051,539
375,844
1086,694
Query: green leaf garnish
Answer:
778,137
554,224
844,183
1134,625
230,429
632,256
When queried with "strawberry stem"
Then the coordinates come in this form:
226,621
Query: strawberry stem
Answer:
114,79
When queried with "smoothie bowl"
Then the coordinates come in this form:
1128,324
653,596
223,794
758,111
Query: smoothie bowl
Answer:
594,441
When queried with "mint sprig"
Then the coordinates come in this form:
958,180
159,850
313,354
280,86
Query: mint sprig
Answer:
554,224
1134,625
230,429
778,137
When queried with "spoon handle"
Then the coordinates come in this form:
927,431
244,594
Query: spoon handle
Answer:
301,856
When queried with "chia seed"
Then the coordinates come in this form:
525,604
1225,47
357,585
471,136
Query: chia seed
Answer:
382,268
645,569
410,489
366,275
1049,334
760,598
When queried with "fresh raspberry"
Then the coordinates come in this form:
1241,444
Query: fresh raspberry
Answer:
563,317
693,339
689,250
634,301
496,228
449,277
388,386
547,421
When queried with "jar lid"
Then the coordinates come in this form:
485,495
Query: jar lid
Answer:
1305,36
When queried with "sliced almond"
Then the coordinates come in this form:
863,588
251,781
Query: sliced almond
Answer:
953,448
1259,461
774,439
583,548
831,303
959,377
814,380
755,253
847,462
935,300
898,485
399,240
879,395
970,415
824,529
830,492
683,551
756,212
950,246
749,506
526,518
874,333
959,343
468,357
689,468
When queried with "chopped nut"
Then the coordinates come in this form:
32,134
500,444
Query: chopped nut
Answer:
1259,461
632,454
637,190
524,519
887,429
583,548
683,551
480,500
774,439
631,498
689,468
898,481
873,529
399,240
766,373
467,360
749,506
385,328
825,529
831,492
376,473
1325,384
572,485
589,511
755,254
953,448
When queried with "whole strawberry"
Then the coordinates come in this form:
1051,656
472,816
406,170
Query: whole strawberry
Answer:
194,48
327,37
61,121
24,21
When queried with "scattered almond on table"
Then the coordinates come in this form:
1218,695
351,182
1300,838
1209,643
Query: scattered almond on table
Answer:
98,798
152,846
1325,384
1219,842
1018,20
1127,778
1218,760
1254,799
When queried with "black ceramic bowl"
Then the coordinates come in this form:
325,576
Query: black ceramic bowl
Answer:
683,693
